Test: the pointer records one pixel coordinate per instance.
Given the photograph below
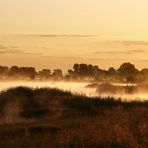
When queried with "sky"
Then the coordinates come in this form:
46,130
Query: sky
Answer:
58,33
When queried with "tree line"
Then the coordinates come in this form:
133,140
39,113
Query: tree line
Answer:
126,72
28,73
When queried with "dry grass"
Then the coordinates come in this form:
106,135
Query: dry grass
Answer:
54,118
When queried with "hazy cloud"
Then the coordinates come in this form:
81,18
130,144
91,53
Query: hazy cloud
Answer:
14,50
2,47
18,52
120,52
58,35
9,51
84,59
64,57
127,43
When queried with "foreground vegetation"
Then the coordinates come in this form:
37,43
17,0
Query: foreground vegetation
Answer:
53,118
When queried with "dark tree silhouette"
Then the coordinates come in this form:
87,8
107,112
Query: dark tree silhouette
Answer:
144,71
28,72
76,68
4,70
70,72
96,70
45,73
57,73
112,71
128,71
14,70
85,70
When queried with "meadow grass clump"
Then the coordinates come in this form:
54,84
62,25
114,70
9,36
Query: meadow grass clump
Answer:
135,103
22,98
88,105
51,92
31,103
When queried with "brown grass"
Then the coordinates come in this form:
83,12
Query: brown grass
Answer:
71,121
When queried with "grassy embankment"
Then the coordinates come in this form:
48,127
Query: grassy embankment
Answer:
50,118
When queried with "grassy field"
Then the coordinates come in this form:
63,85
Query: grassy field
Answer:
53,118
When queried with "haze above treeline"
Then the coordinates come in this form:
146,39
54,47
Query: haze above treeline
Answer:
127,72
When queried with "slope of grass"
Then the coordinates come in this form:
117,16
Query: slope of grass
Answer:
53,118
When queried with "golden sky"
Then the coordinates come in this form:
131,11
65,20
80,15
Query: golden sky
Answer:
118,32
101,17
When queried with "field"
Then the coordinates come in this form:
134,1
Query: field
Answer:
54,118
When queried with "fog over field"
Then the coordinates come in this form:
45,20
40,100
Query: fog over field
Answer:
76,88
67,86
